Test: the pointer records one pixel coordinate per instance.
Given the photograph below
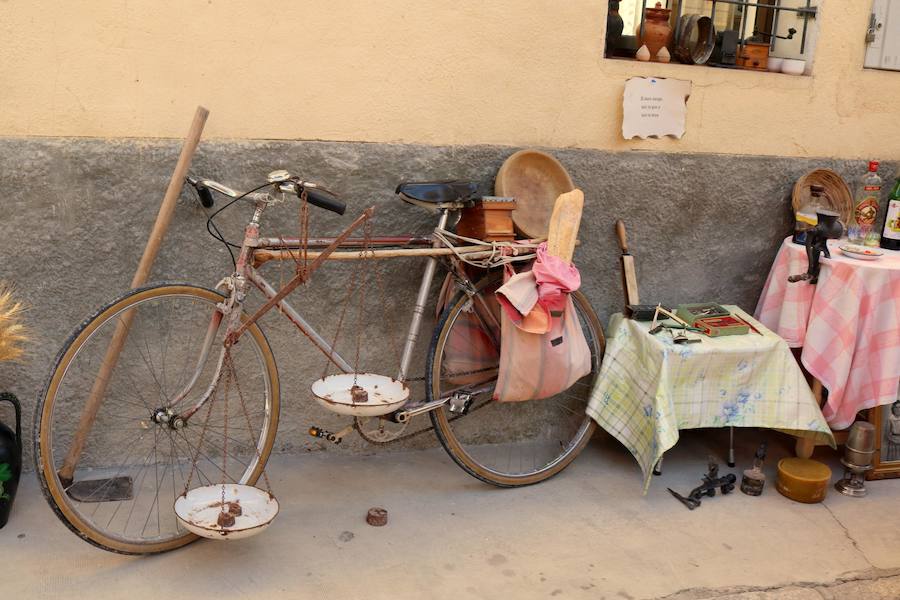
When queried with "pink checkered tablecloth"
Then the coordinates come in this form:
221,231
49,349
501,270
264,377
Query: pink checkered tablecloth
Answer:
848,325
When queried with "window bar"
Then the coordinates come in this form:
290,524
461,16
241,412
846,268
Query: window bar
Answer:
744,22
775,25
809,11
803,37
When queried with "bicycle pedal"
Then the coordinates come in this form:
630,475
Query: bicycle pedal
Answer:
112,489
318,432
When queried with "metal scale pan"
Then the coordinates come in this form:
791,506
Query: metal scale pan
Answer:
198,510
385,394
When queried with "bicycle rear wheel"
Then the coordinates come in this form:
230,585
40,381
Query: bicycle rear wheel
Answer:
133,464
514,443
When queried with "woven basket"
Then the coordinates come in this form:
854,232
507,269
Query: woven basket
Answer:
837,195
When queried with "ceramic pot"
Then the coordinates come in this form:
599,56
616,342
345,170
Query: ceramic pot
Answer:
657,31
10,459
614,27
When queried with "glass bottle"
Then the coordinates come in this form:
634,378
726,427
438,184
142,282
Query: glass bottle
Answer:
862,229
890,235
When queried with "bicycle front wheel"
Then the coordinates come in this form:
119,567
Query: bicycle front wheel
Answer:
507,444
117,491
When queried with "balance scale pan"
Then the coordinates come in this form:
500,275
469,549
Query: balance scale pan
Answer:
198,511
385,394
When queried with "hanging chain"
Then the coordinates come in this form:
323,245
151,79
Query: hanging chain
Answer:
351,287
212,400
303,259
360,319
229,375
237,386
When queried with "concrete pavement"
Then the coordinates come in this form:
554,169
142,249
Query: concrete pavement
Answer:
588,533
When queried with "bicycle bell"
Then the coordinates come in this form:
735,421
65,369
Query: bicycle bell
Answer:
278,176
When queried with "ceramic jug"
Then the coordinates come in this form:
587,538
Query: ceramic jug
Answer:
657,31
10,459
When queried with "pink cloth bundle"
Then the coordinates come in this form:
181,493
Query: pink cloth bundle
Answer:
532,298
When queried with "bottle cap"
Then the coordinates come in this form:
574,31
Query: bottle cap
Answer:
873,165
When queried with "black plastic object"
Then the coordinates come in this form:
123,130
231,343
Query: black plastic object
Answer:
322,199
10,459
438,192
206,198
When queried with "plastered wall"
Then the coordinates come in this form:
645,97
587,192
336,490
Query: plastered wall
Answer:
508,72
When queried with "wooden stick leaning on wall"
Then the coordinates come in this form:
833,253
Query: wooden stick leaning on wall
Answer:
163,219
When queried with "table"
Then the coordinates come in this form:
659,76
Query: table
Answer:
848,325
649,388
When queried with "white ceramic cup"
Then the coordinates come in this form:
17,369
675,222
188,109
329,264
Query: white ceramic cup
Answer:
793,66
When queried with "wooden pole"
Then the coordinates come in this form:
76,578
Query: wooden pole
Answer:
163,219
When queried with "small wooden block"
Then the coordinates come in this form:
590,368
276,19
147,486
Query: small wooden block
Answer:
377,517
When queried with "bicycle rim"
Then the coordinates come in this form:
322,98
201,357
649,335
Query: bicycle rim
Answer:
126,447
516,443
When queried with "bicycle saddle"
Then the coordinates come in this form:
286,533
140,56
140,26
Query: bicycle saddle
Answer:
438,192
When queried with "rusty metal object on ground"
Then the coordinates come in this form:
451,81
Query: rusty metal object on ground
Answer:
377,517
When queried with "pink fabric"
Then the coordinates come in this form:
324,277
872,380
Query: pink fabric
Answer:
848,325
555,278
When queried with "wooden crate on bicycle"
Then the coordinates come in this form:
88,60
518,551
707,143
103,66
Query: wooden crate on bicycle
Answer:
489,219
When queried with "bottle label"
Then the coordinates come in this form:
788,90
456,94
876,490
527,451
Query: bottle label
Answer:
892,224
867,211
872,188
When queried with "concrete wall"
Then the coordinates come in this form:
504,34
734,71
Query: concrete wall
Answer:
76,214
511,72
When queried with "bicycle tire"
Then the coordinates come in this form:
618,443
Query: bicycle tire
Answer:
46,458
444,423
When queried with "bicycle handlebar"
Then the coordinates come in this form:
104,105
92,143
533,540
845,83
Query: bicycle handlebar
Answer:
321,198
315,195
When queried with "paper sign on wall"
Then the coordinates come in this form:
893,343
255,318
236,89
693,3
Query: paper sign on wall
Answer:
654,107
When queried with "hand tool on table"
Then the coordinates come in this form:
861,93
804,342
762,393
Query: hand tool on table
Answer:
711,481
629,277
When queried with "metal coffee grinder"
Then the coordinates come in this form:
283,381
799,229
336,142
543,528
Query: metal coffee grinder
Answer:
857,459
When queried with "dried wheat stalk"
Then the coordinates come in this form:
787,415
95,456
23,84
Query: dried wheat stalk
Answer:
12,332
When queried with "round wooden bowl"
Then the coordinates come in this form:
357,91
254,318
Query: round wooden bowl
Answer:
837,195
535,179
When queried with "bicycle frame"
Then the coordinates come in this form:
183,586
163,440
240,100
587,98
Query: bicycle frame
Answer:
255,251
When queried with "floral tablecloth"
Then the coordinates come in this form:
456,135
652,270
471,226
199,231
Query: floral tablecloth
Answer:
649,388
848,325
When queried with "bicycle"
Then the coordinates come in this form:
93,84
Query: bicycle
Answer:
109,477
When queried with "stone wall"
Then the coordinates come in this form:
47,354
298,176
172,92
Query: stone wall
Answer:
76,213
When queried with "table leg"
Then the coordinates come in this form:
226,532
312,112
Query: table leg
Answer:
805,446
731,447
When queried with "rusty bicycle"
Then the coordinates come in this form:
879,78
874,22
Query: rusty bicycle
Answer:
132,411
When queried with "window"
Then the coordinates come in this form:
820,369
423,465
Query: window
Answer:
883,36
752,34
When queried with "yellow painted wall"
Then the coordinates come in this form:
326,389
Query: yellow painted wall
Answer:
516,72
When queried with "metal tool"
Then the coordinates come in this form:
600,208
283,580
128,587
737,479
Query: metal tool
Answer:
711,481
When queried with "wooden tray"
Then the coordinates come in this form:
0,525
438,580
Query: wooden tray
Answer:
837,195
535,179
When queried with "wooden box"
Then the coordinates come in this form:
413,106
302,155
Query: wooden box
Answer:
489,219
